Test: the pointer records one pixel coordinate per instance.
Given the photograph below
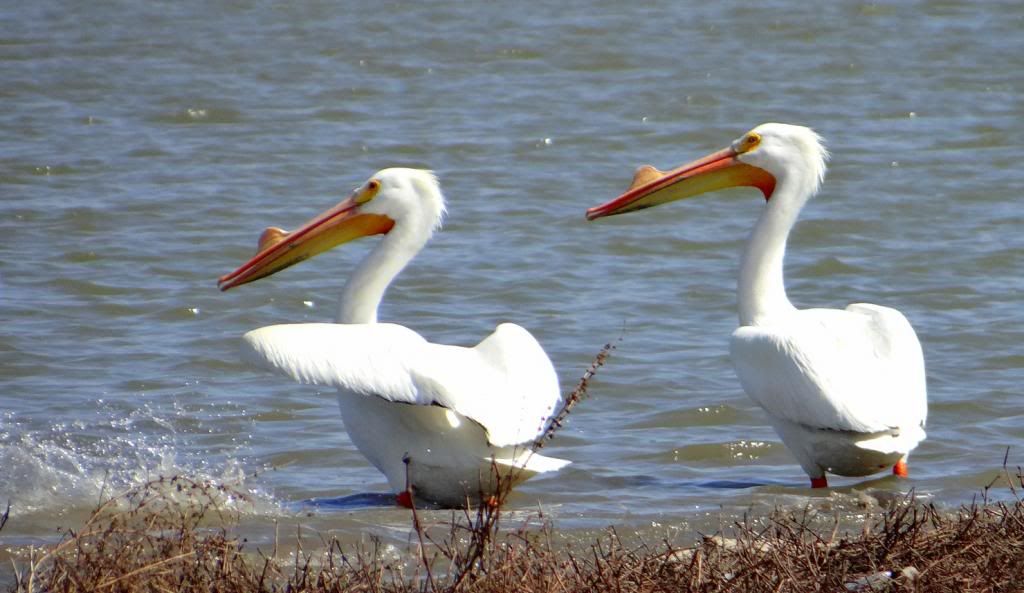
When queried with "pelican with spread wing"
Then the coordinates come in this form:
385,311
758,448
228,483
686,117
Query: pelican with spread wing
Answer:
441,422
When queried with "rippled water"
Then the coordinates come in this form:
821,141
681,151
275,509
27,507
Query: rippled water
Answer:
143,147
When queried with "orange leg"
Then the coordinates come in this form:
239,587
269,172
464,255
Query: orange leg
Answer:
821,482
900,469
404,499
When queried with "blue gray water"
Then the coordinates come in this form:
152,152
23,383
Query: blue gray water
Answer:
144,146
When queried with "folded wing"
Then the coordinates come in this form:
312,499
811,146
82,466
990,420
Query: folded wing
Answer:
860,369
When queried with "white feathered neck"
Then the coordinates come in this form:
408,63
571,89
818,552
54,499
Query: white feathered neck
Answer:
413,199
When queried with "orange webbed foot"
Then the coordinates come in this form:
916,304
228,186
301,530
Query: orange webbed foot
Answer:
900,469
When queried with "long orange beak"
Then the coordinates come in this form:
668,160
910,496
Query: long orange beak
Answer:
280,249
652,187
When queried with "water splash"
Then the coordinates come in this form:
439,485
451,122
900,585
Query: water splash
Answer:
65,467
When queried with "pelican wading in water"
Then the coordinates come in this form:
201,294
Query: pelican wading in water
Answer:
441,422
844,389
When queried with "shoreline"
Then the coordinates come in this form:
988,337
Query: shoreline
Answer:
179,534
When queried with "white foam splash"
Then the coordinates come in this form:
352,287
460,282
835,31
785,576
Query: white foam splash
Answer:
52,470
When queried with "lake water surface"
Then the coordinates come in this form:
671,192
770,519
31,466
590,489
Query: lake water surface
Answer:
144,146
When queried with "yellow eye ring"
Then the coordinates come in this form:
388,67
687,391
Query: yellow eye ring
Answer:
368,192
750,142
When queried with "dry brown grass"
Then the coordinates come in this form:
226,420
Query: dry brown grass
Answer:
175,535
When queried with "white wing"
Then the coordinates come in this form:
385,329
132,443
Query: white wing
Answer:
859,369
506,383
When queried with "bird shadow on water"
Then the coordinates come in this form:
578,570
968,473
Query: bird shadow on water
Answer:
881,490
645,481
734,484
351,502
884,483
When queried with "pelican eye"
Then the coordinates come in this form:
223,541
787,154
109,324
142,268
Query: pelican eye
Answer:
368,191
749,142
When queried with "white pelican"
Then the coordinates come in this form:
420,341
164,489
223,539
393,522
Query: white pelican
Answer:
845,389
441,417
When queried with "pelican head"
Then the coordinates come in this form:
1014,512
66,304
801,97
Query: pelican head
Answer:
765,157
408,200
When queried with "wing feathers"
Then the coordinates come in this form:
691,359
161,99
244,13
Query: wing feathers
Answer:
506,383
364,359
859,369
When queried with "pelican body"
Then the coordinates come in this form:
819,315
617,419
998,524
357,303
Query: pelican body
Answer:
844,389
447,425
